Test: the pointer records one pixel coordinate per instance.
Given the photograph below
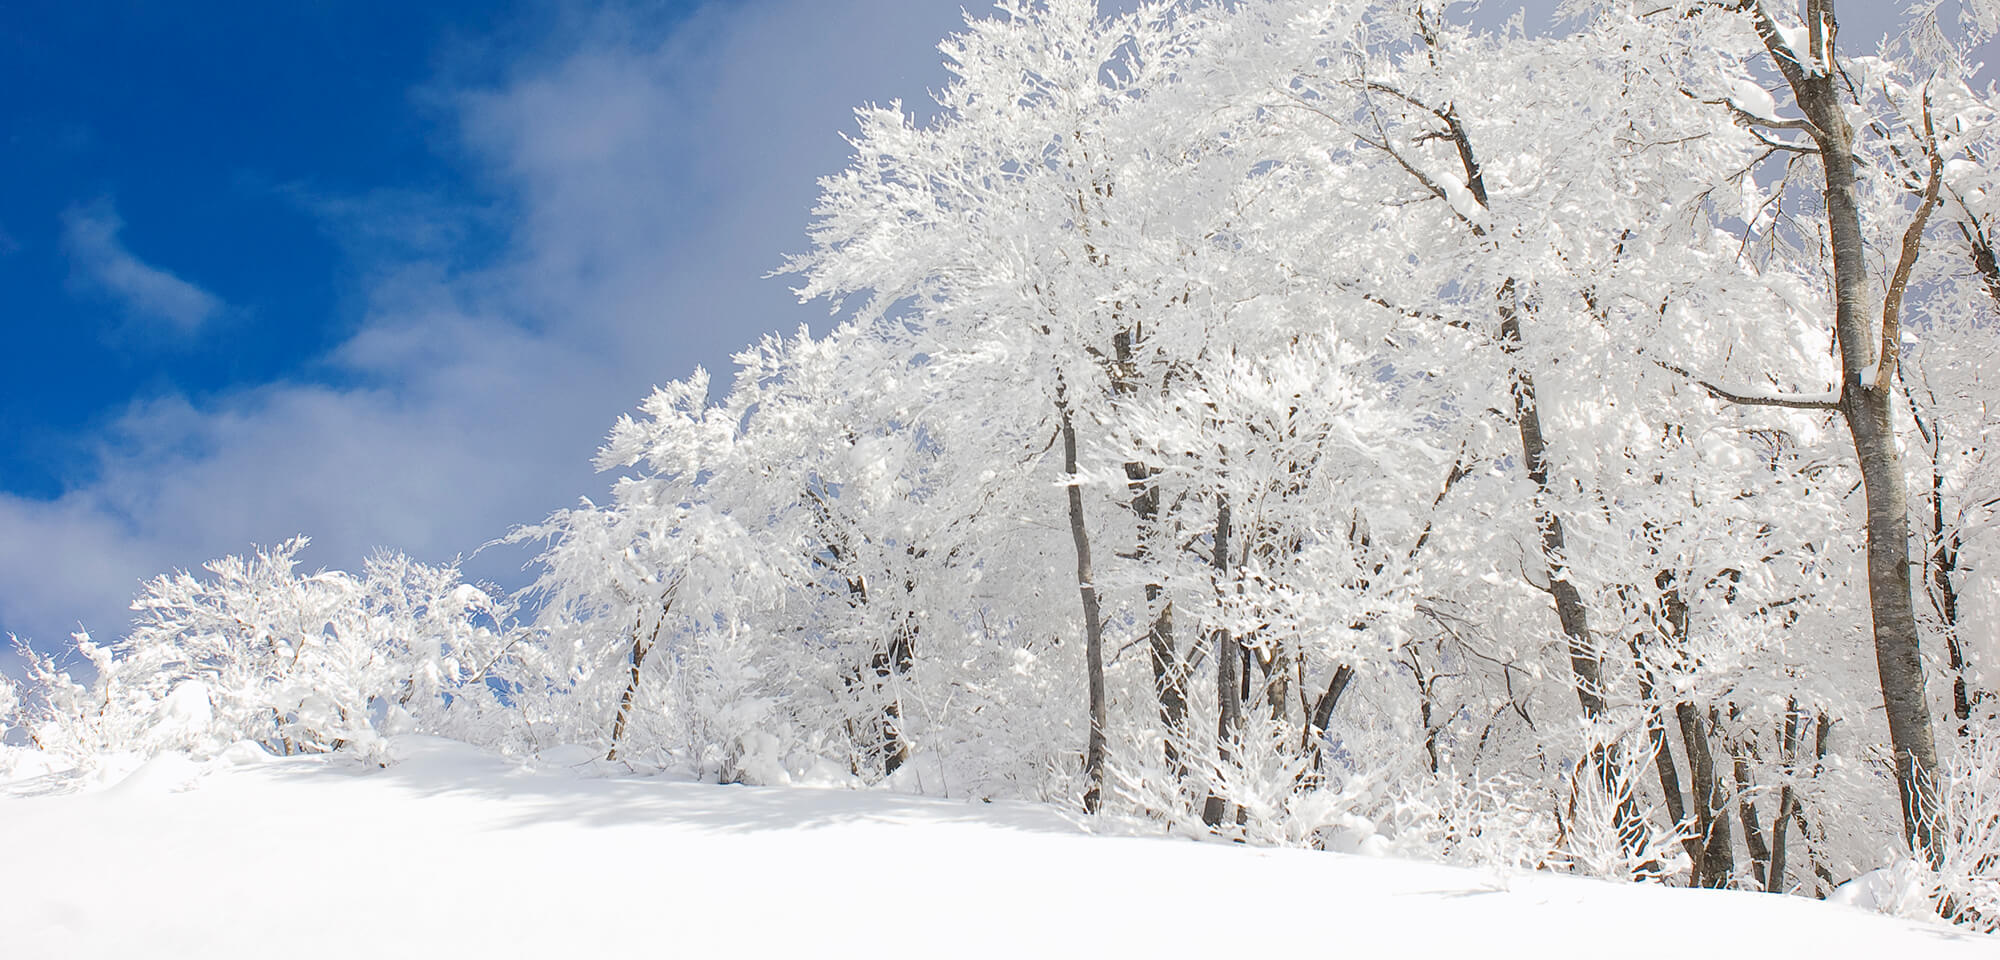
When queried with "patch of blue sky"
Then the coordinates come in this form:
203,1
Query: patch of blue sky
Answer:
173,226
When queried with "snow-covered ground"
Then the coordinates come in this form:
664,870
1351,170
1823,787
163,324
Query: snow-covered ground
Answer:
451,853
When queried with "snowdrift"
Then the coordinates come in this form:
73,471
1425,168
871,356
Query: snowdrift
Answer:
448,852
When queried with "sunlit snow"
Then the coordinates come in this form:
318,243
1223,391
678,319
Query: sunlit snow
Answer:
451,853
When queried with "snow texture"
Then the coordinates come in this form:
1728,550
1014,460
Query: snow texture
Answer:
448,852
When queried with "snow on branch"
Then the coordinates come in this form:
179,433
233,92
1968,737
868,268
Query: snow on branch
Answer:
1794,401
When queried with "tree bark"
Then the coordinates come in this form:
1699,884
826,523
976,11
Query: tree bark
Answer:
1585,664
1322,712
1788,746
1228,693
1093,623
1943,551
1983,258
1169,682
1774,880
639,650
1865,403
641,646
1169,671
895,662
1570,611
1753,830
1663,757
1717,861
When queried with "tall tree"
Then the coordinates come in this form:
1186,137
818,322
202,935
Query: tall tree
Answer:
1868,358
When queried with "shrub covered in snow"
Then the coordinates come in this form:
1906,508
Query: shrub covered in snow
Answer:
300,663
1968,882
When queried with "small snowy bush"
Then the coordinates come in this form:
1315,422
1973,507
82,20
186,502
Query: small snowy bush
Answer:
1968,882
297,663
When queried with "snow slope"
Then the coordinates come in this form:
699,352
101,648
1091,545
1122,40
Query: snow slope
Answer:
450,853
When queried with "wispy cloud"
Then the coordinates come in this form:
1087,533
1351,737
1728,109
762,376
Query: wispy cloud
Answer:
647,180
100,264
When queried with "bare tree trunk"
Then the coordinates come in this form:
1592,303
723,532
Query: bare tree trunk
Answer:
1942,564
1322,712
1169,682
1983,258
895,662
1426,683
1228,693
1169,671
1276,664
1585,663
1774,881
1753,830
1570,611
1788,745
1944,568
1663,759
1586,666
1717,861
1093,623
1319,713
1797,812
641,646
639,650
1865,403
891,661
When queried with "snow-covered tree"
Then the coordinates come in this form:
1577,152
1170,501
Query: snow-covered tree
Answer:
1325,422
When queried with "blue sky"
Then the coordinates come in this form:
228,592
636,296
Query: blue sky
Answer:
171,240
384,273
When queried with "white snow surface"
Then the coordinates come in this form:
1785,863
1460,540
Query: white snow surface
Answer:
452,853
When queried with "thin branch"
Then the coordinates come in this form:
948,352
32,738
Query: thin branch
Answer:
1720,393
1400,95
1913,238
1745,118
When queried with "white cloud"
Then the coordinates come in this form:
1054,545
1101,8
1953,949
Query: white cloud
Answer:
652,179
100,264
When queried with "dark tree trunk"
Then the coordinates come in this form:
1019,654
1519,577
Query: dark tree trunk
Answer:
1169,682
642,644
1865,403
1788,744
1169,671
1585,663
1229,661
1570,611
1425,686
1944,569
1093,623
1717,861
1319,714
1753,829
1586,666
1983,258
1943,565
895,662
1278,678
638,657
1663,758
1322,712
1774,881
